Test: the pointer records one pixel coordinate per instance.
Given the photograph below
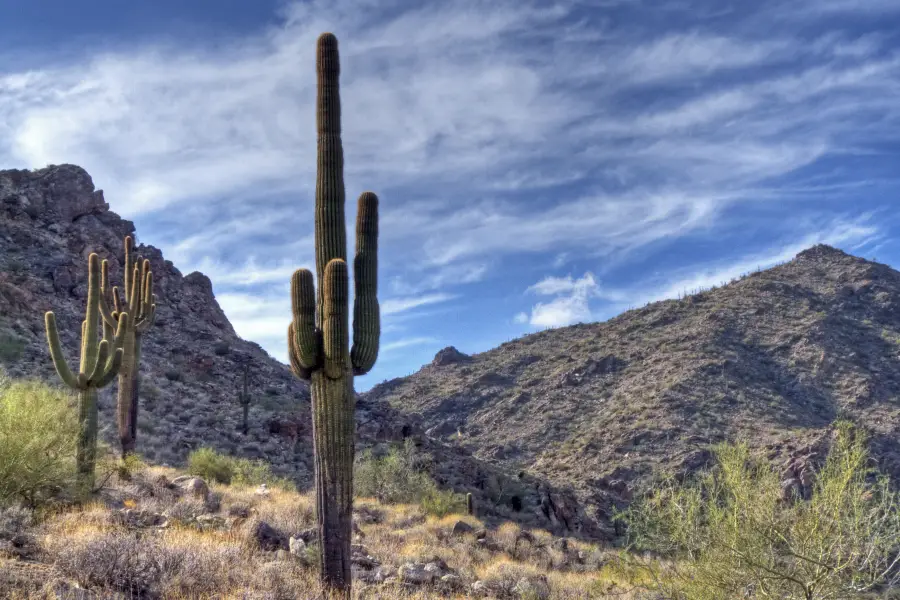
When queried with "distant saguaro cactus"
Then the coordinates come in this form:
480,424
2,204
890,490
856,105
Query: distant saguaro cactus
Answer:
244,398
100,362
318,336
140,303
470,505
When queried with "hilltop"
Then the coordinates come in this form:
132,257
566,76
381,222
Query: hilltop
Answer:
608,408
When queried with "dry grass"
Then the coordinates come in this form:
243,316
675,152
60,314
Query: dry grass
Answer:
91,547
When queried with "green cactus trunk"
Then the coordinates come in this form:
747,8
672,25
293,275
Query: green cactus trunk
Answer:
100,363
319,334
140,302
135,391
126,397
244,400
86,452
333,440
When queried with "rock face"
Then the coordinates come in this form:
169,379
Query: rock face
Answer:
449,356
50,221
602,408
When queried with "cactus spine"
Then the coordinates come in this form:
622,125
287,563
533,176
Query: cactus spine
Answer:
140,303
318,336
244,399
100,362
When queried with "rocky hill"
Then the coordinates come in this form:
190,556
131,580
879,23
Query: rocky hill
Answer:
51,219
553,430
772,358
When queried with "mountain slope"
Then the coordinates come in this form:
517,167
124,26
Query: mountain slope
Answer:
605,408
51,219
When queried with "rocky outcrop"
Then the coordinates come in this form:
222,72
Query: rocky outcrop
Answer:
50,221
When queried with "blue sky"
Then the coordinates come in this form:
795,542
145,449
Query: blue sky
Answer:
538,164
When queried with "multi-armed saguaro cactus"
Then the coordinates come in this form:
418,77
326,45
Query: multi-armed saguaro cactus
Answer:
244,398
140,303
318,337
100,362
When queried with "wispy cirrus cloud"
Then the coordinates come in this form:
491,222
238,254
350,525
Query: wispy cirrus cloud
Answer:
498,135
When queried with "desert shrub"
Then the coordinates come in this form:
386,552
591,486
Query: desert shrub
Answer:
214,466
11,346
733,530
38,436
222,348
210,465
255,472
399,478
124,562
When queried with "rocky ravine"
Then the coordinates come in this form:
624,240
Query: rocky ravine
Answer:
51,219
607,407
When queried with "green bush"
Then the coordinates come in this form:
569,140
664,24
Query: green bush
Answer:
736,529
38,437
399,478
11,347
210,465
221,468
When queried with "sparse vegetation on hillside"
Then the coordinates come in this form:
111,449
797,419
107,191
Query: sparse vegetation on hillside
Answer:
738,532
162,535
398,478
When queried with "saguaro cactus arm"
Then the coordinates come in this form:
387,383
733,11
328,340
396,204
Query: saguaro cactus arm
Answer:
366,313
334,323
293,354
306,341
139,300
56,353
98,357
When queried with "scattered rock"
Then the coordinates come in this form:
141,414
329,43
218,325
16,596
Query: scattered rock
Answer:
533,588
195,486
269,538
297,546
461,527
134,517
449,356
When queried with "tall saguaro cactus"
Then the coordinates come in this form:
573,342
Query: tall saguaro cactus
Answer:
100,362
140,303
244,399
318,336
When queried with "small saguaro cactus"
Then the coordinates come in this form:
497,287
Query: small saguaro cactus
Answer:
470,505
244,398
100,363
318,336
140,303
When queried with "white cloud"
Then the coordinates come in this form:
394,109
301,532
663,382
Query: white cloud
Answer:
396,305
491,131
406,342
570,306
856,232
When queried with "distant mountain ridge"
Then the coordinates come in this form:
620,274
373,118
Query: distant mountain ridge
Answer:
605,408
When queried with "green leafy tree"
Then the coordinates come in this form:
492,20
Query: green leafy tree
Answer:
39,432
734,533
